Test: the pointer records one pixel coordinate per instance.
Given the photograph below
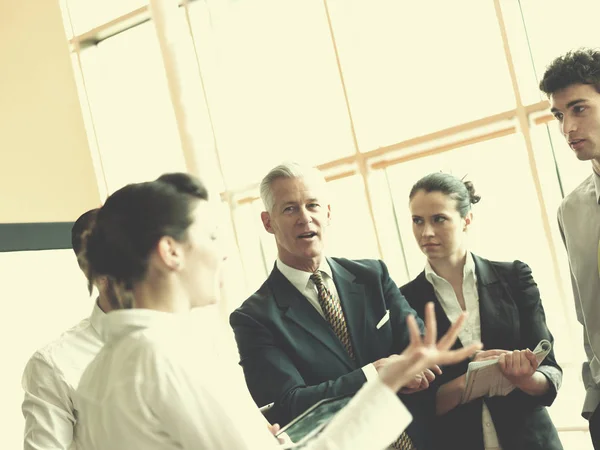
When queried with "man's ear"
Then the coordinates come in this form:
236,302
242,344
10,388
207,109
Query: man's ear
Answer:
266,220
328,214
170,252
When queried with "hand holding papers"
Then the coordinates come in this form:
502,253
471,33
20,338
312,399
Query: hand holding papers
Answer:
484,378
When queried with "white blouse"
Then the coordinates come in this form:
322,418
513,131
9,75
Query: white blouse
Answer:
50,380
471,331
156,385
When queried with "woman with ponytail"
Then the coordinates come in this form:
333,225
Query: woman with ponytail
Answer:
154,385
505,313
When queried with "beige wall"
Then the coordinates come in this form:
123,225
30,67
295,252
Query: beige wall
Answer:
46,171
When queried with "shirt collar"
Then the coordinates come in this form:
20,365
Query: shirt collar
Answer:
125,321
597,185
97,318
468,270
299,278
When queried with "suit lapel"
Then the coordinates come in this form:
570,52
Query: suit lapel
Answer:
427,294
492,314
354,303
296,308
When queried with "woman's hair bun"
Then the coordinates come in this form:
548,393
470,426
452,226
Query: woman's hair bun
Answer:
473,197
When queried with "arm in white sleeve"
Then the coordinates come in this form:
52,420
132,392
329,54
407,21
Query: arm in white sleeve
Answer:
373,419
201,407
47,407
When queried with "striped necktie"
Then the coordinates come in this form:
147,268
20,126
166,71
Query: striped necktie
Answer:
332,309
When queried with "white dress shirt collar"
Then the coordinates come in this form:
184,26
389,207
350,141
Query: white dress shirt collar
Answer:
468,270
125,321
97,318
596,179
300,278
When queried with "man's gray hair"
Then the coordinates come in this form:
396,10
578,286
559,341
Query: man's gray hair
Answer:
287,170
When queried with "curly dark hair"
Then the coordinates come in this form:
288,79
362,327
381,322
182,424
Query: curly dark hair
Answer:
575,67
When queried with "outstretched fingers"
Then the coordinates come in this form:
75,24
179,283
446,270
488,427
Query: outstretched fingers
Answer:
426,352
430,325
448,357
451,335
413,331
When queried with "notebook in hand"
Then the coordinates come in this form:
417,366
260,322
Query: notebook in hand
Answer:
484,378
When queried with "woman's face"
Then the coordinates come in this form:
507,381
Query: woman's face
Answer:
204,256
437,225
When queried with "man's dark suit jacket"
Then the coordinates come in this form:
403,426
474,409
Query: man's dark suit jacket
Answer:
512,317
291,356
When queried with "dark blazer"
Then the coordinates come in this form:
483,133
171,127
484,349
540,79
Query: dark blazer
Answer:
291,356
512,317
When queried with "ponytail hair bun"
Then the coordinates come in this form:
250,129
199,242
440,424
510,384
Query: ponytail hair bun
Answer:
461,191
473,197
134,219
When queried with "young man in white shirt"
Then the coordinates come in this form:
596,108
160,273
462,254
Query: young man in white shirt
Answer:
572,83
52,373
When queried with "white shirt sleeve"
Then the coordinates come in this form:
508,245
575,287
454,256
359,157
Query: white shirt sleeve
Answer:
373,419
370,372
47,407
201,409
204,410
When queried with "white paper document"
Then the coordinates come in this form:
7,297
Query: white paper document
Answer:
484,378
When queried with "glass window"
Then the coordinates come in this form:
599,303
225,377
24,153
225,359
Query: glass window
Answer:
88,14
553,28
257,247
46,294
547,139
414,68
385,210
572,170
272,84
351,233
133,115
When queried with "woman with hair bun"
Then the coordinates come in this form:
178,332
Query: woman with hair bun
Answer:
505,313
154,385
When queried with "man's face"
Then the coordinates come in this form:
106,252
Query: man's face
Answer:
298,220
577,109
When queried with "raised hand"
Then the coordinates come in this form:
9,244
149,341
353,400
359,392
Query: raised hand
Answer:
420,354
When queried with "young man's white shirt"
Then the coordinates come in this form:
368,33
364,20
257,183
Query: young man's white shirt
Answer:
50,380
579,222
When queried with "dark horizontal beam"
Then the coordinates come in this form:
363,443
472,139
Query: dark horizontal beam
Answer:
15,237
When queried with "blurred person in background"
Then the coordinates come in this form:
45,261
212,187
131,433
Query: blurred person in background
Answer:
52,374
